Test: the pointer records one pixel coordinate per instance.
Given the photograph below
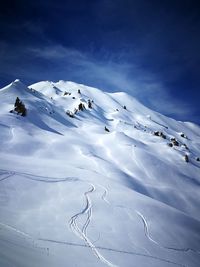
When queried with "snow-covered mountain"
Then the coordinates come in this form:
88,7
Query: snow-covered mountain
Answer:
108,185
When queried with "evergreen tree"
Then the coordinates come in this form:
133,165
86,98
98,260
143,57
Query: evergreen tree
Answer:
20,107
17,102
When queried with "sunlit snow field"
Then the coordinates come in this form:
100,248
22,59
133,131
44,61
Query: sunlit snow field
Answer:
73,194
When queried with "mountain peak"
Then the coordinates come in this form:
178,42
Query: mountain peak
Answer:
18,82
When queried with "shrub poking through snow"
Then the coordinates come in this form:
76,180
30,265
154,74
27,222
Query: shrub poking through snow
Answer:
70,114
161,134
106,129
156,133
174,141
197,159
79,91
66,93
186,147
81,106
32,90
89,104
183,135
75,110
186,158
20,107
170,144
124,107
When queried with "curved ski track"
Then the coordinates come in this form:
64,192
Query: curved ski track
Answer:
105,193
82,232
146,231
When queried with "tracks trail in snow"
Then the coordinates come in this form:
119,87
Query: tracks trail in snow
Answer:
38,178
6,175
105,193
22,234
147,234
113,250
9,227
81,232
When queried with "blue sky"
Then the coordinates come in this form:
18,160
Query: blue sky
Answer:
149,48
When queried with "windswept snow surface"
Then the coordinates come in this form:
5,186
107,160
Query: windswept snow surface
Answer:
73,194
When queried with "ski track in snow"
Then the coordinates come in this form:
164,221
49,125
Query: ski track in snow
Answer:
37,178
146,231
17,244
105,193
112,250
22,234
82,233
133,242
9,227
7,175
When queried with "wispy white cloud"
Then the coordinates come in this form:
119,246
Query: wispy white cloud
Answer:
57,52
110,74
163,102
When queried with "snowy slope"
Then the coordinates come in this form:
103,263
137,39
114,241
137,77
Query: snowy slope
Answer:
73,194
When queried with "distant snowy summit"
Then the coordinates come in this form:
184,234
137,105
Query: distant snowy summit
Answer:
69,103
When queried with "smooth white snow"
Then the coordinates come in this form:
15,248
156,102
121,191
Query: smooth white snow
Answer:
72,194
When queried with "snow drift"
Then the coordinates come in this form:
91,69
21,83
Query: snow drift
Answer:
73,194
